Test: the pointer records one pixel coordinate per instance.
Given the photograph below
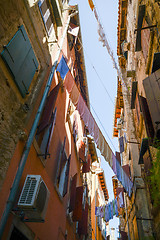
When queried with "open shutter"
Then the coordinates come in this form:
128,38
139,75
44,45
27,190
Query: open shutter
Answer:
144,148
145,36
121,144
133,96
77,212
152,90
57,12
83,223
66,176
73,193
51,132
82,151
86,165
21,60
156,62
48,109
147,117
139,25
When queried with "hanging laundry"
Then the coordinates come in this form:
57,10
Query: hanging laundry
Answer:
114,163
91,4
121,199
95,132
101,212
62,67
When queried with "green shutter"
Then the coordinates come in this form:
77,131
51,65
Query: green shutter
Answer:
21,60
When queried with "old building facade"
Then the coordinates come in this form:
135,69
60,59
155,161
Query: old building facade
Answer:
137,113
45,154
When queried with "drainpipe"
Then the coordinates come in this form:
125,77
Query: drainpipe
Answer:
95,206
14,188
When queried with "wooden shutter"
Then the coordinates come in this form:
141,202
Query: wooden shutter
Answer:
73,193
57,13
86,165
156,62
48,109
152,90
147,117
46,16
144,148
66,176
133,96
83,223
61,161
21,60
121,144
51,132
139,25
145,36
82,151
77,212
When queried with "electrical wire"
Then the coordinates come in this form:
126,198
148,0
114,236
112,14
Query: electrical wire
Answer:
96,72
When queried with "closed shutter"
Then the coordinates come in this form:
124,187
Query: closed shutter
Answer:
21,60
152,90
48,109
147,117
46,16
66,176
83,224
77,212
73,193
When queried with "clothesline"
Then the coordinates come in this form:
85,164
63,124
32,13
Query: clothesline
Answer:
91,125
108,211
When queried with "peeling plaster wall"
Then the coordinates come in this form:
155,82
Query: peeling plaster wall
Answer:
15,111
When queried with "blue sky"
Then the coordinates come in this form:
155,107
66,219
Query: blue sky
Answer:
101,76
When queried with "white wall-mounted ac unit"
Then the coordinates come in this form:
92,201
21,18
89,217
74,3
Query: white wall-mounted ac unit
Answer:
34,198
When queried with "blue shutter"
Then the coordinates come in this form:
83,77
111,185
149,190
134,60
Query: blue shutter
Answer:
26,72
21,60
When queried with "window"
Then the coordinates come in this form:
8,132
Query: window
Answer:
46,16
51,16
16,234
21,60
62,175
47,123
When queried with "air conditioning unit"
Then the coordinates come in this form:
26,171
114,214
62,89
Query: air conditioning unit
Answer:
34,198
